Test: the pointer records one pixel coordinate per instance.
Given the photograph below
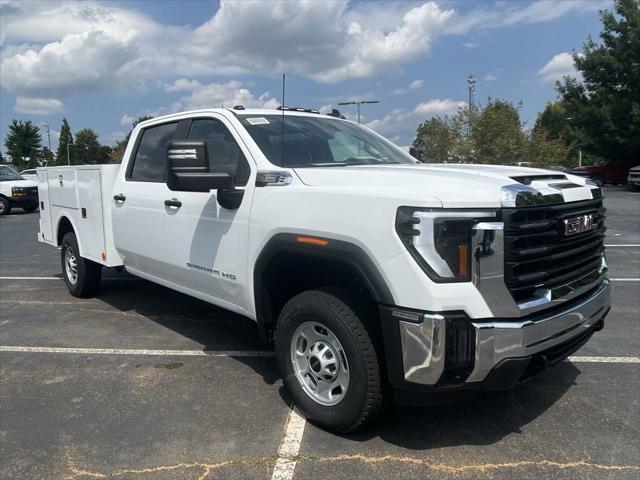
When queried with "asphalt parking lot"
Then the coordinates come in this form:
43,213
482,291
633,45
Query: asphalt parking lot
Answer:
146,383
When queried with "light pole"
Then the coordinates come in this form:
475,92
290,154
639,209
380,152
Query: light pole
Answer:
579,148
69,143
471,84
358,103
48,137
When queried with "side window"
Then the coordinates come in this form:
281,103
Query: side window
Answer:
224,153
150,161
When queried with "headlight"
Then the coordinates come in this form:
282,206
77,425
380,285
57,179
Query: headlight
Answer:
18,192
439,241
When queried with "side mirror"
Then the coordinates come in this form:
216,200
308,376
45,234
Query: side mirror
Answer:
188,168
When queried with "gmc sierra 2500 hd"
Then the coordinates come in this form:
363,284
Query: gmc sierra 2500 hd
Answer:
373,274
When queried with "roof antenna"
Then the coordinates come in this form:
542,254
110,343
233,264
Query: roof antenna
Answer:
282,139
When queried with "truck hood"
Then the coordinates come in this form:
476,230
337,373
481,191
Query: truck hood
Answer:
18,183
454,185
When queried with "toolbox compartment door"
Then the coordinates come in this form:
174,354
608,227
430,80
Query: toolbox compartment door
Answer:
46,230
90,212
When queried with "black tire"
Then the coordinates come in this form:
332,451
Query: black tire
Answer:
5,206
30,208
342,312
87,273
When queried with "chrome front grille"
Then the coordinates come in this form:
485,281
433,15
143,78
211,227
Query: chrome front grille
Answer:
538,252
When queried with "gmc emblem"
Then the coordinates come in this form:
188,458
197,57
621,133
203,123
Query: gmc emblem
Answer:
575,225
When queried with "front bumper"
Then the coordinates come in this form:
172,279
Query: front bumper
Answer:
25,201
447,351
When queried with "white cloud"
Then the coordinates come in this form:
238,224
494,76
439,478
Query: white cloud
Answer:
127,119
489,77
506,14
556,68
401,124
413,86
38,106
470,45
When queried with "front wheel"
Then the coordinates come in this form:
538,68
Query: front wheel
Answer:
82,276
328,360
5,206
30,208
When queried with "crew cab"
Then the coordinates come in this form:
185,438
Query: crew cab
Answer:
607,171
374,275
16,191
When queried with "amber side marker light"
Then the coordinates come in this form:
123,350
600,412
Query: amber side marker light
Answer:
104,256
313,241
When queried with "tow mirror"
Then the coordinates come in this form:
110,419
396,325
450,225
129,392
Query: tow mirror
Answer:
188,171
188,168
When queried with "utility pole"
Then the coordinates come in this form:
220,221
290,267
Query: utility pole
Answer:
48,138
471,84
68,145
358,103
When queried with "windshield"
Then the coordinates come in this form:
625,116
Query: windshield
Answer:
319,142
8,173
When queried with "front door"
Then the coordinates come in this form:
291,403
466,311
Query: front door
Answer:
205,246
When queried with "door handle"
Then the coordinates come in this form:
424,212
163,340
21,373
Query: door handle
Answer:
174,202
119,197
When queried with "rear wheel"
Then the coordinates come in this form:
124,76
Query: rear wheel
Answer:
82,276
328,360
5,206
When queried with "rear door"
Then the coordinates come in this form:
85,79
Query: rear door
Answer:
138,201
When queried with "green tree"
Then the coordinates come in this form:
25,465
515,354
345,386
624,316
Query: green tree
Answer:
65,139
88,149
117,152
435,139
605,105
497,134
23,142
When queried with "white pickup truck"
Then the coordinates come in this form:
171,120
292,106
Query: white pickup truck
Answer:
373,274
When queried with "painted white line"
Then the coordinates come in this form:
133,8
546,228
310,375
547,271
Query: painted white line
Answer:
625,279
622,246
604,359
286,463
131,351
60,278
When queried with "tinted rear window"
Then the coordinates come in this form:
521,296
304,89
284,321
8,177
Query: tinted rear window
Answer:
151,157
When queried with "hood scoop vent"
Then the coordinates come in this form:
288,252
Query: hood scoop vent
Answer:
527,179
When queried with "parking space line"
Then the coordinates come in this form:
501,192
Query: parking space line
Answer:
622,246
130,351
625,279
290,447
60,278
604,359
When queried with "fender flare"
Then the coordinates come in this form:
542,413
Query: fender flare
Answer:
335,250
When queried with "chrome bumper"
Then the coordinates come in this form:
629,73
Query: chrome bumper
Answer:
423,344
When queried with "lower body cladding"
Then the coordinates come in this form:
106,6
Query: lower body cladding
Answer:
437,357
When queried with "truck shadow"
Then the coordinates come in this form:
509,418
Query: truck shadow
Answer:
484,420
213,328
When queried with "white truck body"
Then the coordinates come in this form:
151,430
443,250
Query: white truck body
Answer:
293,220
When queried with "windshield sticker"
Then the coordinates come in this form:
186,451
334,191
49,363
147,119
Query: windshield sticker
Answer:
258,121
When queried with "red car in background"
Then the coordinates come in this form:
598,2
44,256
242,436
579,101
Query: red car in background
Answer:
607,171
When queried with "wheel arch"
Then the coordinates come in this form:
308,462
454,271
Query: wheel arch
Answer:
64,225
286,267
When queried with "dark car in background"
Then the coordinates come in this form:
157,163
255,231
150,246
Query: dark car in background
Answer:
607,171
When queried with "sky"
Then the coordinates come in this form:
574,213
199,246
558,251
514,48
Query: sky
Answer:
103,64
